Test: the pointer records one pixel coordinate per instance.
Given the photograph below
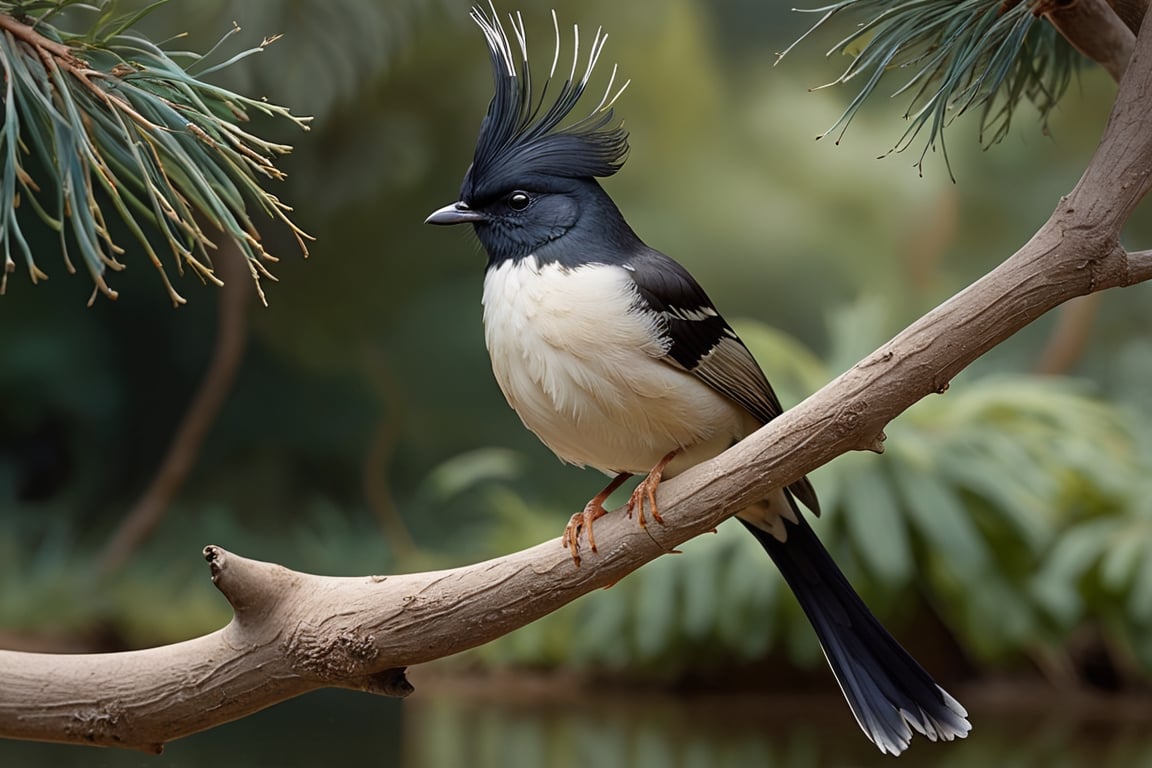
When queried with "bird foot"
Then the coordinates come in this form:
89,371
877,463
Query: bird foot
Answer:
646,490
582,521
593,510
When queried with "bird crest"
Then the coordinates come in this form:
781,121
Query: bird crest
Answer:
522,134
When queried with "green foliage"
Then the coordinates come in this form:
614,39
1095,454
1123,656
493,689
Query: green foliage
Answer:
1101,571
47,584
37,574
103,125
343,349
971,54
988,478
1001,504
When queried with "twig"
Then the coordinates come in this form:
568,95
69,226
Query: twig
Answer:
293,632
42,45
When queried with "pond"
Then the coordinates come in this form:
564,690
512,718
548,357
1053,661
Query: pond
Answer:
555,724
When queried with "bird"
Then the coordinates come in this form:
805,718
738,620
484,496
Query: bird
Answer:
615,357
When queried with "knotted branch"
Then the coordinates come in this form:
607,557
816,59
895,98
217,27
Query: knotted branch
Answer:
294,632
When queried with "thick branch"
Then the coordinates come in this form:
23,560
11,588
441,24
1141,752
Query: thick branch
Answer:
1131,12
294,632
1094,29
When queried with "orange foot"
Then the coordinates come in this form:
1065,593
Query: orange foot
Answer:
593,510
647,490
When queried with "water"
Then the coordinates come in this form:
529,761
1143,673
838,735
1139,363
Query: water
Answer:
552,725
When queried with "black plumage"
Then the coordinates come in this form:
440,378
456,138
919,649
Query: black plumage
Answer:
888,691
688,316
568,282
521,140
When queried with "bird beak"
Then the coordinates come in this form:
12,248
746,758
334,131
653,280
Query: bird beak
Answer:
456,213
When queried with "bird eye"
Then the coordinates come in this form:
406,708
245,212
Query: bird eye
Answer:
518,201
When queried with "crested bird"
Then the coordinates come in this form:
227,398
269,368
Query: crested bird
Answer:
615,357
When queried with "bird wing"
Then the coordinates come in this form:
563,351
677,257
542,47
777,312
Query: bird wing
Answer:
700,341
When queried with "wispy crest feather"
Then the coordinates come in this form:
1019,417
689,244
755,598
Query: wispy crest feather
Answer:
522,134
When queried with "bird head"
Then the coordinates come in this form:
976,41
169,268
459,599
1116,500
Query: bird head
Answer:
532,182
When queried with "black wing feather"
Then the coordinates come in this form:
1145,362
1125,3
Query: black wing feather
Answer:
702,342
694,328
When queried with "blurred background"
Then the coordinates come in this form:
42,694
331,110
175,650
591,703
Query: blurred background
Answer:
1005,536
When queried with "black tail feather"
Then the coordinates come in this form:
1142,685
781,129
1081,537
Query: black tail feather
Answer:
888,691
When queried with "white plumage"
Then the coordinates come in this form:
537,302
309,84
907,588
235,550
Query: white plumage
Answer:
566,347
614,356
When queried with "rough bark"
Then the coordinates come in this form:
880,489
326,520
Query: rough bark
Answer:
295,632
1097,30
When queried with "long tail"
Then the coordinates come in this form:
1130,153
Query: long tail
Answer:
888,691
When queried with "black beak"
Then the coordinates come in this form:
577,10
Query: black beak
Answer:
456,213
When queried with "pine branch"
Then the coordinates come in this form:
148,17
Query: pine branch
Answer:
962,55
107,126
294,632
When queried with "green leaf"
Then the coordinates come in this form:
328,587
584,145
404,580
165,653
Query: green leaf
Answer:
465,471
602,632
1014,618
855,328
1140,597
1056,584
703,599
1017,505
873,521
1121,555
657,607
942,520
750,592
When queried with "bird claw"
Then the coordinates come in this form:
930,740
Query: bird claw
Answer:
582,521
646,490
593,510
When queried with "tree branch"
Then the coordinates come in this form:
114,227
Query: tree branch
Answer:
1140,265
294,632
1131,12
137,139
1094,29
43,46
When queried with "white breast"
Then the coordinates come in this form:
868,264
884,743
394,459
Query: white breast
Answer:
580,366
